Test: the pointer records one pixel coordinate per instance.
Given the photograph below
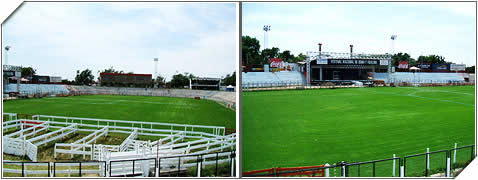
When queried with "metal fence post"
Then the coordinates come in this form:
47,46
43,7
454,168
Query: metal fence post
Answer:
342,172
393,171
23,169
179,165
448,166
472,154
159,167
327,165
454,155
402,168
427,170
49,169
373,169
80,169
217,155
233,155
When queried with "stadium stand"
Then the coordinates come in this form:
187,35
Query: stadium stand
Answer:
218,96
42,89
421,77
270,77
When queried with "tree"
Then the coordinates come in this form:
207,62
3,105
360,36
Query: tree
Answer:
84,77
160,78
470,69
28,71
432,59
180,80
111,70
250,50
287,56
403,57
267,54
230,79
300,57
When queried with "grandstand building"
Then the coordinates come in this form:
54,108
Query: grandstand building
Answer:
205,83
11,72
330,66
120,79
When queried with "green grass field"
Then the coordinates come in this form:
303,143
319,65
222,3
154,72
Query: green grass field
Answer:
132,108
311,127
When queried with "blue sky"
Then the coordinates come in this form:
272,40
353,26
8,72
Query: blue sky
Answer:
446,29
57,38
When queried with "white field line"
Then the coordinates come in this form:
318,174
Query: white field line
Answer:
76,102
409,95
432,90
122,101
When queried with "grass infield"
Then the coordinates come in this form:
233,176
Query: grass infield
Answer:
311,127
131,108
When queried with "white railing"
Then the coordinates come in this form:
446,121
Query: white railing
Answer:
11,116
31,150
188,129
20,133
128,140
73,149
70,129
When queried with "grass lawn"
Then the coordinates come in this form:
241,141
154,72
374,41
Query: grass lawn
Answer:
312,127
131,108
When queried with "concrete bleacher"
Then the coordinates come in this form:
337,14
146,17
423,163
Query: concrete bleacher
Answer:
42,89
421,77
219,96
289,77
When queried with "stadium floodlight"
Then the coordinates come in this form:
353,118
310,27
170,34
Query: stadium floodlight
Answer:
156,67
266,29
6,56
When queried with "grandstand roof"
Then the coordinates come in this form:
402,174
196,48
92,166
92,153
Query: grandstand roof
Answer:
123,74
206,78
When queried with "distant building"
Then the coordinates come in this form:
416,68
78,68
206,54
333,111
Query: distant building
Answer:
205,83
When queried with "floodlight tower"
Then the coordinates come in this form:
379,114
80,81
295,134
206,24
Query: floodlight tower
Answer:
393,37
266,29
7,48
155,67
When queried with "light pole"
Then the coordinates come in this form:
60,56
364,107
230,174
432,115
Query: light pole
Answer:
393,37
266,29
156,67
6,54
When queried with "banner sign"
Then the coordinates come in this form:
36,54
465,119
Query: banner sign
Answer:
41,78
276,62
403,65
441,67
424,66
384,62
353,62
457,67
322,61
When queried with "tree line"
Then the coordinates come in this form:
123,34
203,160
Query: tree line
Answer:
179,80
252,55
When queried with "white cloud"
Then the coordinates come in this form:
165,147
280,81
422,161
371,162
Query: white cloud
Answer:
59,38
421,28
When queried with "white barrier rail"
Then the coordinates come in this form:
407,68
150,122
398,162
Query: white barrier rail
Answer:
214,130
128,140
43,125
72,129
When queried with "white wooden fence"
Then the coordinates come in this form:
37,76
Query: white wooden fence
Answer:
143,126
